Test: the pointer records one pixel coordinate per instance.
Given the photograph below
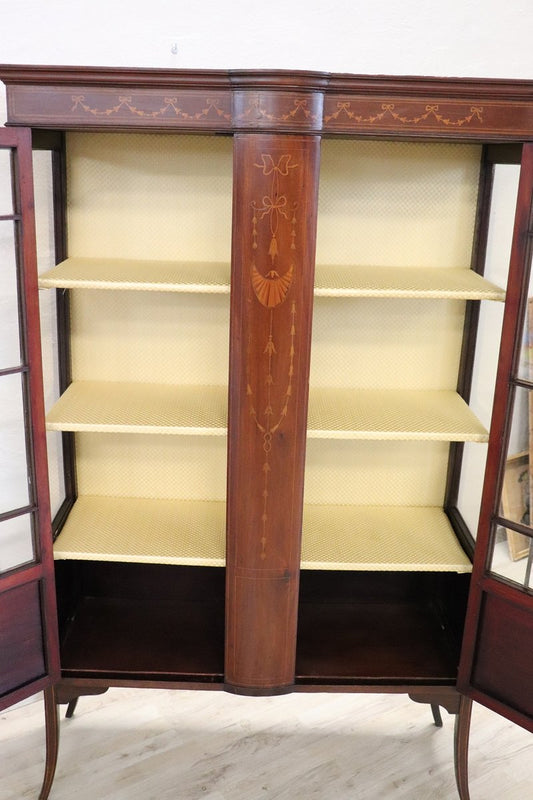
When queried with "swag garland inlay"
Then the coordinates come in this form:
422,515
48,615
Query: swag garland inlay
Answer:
271,290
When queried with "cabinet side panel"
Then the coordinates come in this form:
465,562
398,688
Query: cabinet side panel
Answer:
21,645
503,668
272,283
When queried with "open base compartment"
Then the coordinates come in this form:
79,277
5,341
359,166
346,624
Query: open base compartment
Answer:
380,628
146,622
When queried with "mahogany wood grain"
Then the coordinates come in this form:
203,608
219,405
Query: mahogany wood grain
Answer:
444,108
275,189
483,615
29,651
22,657
52,741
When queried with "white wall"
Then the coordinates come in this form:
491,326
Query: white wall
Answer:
489,38
477,38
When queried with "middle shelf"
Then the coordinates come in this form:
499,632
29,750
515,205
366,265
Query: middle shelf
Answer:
100,406
214,277
335,537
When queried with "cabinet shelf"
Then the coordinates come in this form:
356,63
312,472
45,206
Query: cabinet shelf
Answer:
214,277
191,532
382,538
209,277
140,530
392,414
404,282
114,407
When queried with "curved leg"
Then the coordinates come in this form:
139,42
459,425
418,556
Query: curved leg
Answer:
437,718
462,732
52,741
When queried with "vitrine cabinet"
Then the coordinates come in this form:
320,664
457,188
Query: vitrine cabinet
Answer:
268,336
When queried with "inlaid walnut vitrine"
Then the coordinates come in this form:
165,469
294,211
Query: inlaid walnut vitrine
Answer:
276,314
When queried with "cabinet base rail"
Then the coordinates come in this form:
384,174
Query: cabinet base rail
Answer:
436,697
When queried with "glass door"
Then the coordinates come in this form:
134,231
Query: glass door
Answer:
29,657
497,657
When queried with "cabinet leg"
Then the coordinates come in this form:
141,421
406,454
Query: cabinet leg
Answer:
71,707
52,741
462,732
437,718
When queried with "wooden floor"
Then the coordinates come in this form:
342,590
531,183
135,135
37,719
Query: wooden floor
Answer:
135,744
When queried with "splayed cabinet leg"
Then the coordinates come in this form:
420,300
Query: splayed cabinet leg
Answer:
52,741
462,733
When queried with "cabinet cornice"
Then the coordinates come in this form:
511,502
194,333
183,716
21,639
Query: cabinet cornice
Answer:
277,100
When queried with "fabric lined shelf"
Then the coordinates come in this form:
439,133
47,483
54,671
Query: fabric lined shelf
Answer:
214,277
392,414
192,532
141,530
406,282
383,538
144,275
114,407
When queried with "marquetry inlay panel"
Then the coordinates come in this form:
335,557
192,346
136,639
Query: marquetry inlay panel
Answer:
278,100
85,107
272,288
265,109
474,118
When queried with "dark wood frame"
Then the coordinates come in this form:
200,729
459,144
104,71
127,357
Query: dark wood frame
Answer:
266,111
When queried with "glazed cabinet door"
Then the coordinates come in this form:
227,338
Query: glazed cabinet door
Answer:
497,656
29,653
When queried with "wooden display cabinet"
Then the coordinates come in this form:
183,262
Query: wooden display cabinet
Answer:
303,524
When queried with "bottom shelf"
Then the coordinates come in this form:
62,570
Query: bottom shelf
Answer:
146,622
141,621
371,628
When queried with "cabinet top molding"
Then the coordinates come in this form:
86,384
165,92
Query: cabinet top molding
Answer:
70,98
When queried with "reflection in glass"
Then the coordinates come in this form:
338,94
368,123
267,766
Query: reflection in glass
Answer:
9,309
16,542
525,365
44,220
516,486
495,269
6,197
512,557
13,455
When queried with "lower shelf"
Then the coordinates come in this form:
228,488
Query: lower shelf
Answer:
146,622
192,532
400,628
141,530
141,622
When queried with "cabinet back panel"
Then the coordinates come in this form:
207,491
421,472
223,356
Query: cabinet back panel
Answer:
376,473
149,196
150,337
385,343
128,465
397,203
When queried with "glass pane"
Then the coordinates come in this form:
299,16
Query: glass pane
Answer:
516,487
512,557
13,456
500,234
6,196
44,220
16,542
9,309
525,365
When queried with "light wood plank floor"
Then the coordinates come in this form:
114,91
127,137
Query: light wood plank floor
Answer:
133,744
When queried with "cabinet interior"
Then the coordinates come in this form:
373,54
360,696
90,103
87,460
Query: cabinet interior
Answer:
141,554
